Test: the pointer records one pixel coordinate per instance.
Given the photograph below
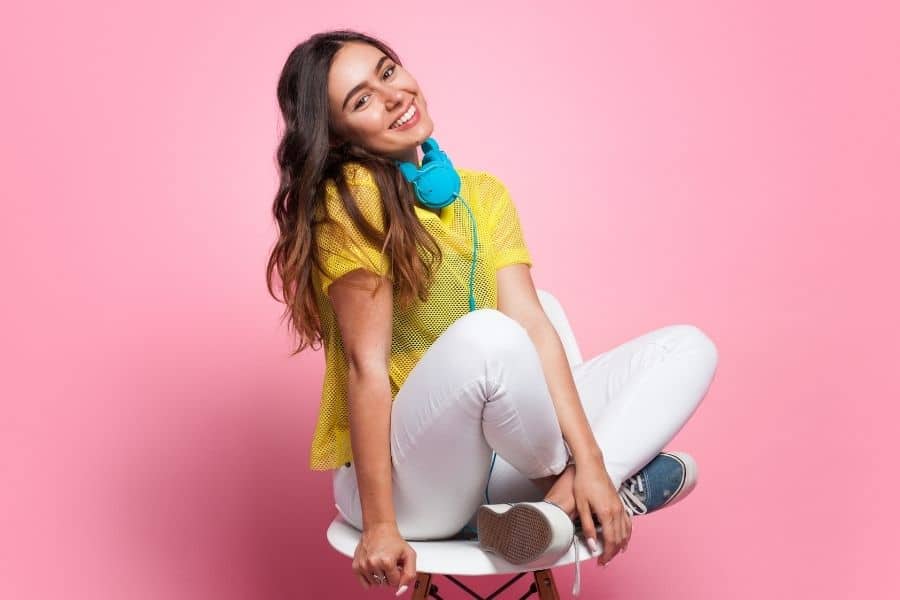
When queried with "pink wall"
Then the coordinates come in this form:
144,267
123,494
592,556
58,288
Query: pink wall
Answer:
728,165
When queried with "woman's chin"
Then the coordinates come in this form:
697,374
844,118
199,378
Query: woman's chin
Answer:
416,138
424,134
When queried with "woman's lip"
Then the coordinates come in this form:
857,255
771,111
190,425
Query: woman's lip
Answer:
411,122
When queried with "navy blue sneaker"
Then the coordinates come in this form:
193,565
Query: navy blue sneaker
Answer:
665,480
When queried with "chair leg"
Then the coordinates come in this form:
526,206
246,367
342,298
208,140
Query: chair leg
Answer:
546,586
423,582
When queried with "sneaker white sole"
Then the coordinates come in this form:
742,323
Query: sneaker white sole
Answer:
524,532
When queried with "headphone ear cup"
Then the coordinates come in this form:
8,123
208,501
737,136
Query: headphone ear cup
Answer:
409,170
437,185
436,182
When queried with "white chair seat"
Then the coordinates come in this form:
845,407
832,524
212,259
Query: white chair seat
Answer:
449,557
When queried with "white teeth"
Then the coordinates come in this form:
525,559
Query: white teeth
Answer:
406,116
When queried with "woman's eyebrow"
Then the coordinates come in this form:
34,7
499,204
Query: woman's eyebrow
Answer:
359,86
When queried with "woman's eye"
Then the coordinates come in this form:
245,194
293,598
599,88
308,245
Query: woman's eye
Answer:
391,69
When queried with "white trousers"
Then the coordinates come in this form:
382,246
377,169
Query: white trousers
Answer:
480,386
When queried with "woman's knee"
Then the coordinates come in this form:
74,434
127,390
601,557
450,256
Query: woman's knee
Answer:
691,337
491,331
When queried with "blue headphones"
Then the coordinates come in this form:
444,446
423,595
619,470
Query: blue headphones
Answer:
437,185
436,182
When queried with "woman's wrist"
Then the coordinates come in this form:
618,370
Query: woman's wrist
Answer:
571,460
381,527
583,452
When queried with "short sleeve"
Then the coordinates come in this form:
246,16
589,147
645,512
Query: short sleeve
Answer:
341,245
507,237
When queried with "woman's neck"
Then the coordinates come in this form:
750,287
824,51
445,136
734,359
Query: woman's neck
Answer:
411,155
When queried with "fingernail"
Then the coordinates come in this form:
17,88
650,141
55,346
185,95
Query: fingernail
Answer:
592,544
402,589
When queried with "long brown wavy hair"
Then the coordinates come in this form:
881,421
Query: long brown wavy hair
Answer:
309,153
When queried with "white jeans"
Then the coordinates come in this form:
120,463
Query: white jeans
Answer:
480,386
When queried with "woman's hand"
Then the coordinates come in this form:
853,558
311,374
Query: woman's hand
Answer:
594,493
383,552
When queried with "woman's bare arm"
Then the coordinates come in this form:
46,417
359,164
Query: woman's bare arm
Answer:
518,299
370,425
365,320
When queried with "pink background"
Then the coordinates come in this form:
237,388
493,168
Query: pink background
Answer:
730,165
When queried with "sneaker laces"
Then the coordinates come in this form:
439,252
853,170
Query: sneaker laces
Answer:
634,504
628,492
576,587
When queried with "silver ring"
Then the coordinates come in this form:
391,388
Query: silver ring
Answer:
378,578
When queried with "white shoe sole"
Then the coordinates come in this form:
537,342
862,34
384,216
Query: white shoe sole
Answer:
524,532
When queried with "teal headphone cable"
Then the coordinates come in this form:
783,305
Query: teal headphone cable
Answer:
437,184
474,255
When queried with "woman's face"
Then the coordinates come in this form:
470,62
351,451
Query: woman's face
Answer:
367,93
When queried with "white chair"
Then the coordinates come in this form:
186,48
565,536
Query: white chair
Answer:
464,557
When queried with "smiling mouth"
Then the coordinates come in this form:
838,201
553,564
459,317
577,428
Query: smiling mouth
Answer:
414,109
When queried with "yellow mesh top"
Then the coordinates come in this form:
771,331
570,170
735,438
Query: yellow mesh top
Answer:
343,249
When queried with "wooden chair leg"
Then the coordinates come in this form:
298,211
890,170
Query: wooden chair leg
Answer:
546,586
423,582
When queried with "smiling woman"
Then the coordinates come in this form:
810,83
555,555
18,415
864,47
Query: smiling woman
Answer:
340,93
371,97
423,384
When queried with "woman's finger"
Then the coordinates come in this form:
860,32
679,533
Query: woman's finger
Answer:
627,532
374,573
587,524
408,572
623,531
360,571
623,528
392,570
610,536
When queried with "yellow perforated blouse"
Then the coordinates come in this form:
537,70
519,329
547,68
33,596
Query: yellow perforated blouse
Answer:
343,249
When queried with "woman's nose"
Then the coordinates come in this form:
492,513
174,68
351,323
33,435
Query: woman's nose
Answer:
395,98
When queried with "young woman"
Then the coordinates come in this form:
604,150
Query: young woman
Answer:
422,387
